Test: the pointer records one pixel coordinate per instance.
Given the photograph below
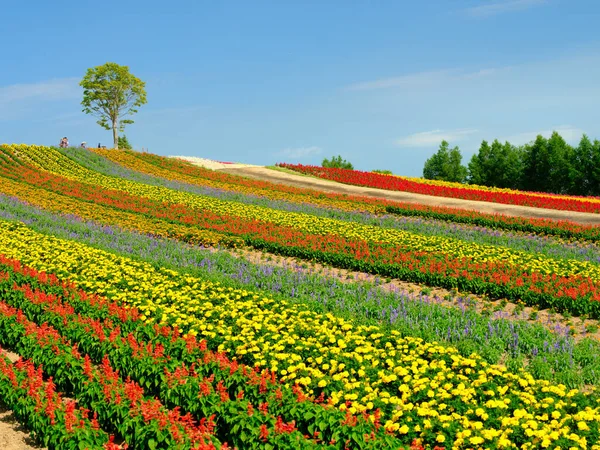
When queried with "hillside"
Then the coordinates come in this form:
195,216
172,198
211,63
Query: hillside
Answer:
194,308
274,176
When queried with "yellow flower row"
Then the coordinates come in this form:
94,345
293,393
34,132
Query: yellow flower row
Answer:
420,387
479,253
61,204
201,176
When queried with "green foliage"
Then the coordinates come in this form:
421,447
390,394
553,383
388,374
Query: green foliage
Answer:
337,162
497,165
543,165
383,172
124,143
546,165
111,92
445,165
584,171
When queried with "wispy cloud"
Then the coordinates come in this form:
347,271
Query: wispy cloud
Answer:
409,80
57,89
499,7
299,152
569,133
434,137
480,73
422,79
174,111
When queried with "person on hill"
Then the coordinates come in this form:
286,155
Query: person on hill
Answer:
83,144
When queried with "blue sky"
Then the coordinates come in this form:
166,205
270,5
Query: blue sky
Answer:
379,82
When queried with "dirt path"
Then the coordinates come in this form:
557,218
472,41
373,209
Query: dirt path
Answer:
13,436
275,176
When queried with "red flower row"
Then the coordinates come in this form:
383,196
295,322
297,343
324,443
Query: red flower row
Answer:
53,420
120,405
495,279
391,183
184,374
546,226
200,175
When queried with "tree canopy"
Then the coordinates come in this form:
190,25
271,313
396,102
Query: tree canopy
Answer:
337,162
445,165
111,92
497,165
542,165
124,143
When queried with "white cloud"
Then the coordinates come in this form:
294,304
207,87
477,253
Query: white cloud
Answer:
300,152
569,133
480,73
491,9
410,80
174,111
422,79
434,137
57,89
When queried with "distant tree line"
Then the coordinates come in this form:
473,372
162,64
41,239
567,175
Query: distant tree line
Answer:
543,165
337,162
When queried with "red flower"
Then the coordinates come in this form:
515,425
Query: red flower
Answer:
264,433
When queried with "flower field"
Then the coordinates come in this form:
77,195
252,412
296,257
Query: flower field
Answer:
174,169
136,329
454,190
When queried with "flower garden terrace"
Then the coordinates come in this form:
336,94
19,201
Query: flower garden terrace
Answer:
543,280
452,190
419,391
423,390
549,352
174,169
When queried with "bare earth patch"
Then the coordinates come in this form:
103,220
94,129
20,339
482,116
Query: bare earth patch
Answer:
14,436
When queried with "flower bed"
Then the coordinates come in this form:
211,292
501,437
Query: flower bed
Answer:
392,183
424,391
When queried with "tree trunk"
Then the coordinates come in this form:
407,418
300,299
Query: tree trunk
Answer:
115,134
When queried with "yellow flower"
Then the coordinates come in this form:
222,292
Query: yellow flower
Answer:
582,426
476,440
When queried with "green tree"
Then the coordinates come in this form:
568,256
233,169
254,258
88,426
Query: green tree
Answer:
456,171
547,165
497,165
510,166
559,154
337,162
595,169
584,173
478,166
111,92
445,165
124,143
536,165
435,167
